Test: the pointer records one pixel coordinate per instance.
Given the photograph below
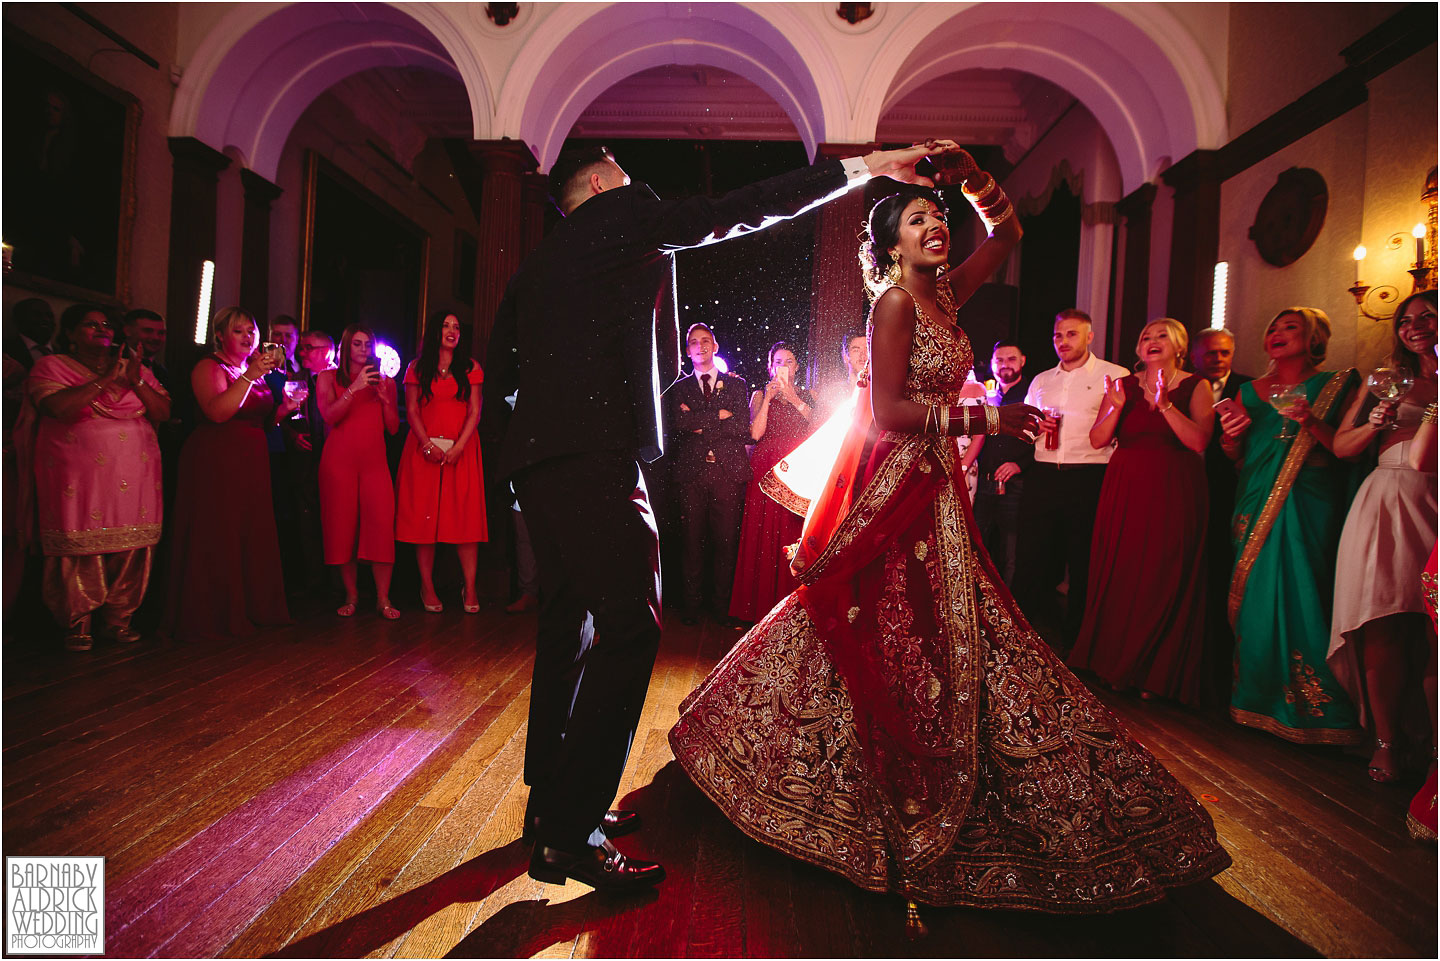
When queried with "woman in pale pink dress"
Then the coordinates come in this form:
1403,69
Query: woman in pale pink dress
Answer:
96,467
1382,647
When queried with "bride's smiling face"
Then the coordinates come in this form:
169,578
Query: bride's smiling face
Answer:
924,237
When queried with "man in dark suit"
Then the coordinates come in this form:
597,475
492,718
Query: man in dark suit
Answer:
581,334
1003,462
31,328
144,332
707,418
1212,354
305,437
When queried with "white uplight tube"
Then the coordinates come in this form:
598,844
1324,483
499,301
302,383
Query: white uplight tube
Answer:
202,309
1217,297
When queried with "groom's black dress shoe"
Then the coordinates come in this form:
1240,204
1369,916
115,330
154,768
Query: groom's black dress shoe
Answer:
615,824
603,868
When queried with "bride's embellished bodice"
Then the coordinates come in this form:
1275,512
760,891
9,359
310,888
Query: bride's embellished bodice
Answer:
940,360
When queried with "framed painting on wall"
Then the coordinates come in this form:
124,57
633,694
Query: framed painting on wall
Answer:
69,174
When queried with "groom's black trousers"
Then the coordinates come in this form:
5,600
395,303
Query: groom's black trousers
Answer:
597,549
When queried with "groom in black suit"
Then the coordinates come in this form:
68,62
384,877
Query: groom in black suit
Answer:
707,414
586,334
1212,354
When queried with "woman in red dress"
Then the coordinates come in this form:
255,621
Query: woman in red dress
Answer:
357,496
1144,620
780,418
225,578
442,487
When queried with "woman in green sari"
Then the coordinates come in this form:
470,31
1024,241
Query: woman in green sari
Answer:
1290,506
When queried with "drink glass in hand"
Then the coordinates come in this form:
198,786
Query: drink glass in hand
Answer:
1282,397
296,391
1390,384
1052,437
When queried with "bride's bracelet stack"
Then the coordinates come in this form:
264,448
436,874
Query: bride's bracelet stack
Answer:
988,199
939,419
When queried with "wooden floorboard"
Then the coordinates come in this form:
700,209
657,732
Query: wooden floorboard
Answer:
354,788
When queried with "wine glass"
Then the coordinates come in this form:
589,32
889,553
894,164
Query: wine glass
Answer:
1282,397
297,391
1390,384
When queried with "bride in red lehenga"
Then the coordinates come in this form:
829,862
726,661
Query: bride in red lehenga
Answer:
896,720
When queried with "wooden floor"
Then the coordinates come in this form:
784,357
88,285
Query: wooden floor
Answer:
346,788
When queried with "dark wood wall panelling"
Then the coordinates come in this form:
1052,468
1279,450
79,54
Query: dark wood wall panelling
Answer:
1197,178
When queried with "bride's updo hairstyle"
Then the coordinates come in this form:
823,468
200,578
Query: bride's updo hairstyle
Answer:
883,232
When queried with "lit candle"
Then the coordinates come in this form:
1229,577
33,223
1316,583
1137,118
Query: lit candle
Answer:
1419,233
1359,256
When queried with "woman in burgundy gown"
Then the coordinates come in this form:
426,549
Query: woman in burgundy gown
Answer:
896,720
780,418
225,578
1144,623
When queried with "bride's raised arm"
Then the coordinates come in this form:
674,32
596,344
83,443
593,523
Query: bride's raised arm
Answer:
994,208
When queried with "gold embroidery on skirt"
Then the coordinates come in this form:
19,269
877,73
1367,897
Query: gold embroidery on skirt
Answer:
1305,688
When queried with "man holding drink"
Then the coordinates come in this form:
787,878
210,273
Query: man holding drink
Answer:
1057,509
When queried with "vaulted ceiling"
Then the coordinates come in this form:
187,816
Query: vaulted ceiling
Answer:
1002,108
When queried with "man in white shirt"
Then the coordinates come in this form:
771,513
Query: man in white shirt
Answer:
1057,509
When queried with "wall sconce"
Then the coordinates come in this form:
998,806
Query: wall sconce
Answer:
1374,296
1422,272
7,251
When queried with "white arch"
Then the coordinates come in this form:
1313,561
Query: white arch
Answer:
1120,66
256,71
1202,87
583,49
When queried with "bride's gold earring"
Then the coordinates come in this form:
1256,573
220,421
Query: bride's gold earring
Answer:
892,273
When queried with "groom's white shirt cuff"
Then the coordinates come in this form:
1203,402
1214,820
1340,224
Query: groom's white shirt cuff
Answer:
855,170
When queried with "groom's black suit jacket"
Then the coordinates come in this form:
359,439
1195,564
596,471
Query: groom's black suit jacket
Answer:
581,334
587,329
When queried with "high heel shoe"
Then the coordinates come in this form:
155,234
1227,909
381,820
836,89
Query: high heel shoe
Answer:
436,608
1381,773
470,608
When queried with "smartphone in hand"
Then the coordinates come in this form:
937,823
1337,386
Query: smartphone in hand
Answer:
1228,407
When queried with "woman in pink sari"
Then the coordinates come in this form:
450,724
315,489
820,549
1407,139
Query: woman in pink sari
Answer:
896,720
96,467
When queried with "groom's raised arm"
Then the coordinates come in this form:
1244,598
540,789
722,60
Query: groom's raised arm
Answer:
697,221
